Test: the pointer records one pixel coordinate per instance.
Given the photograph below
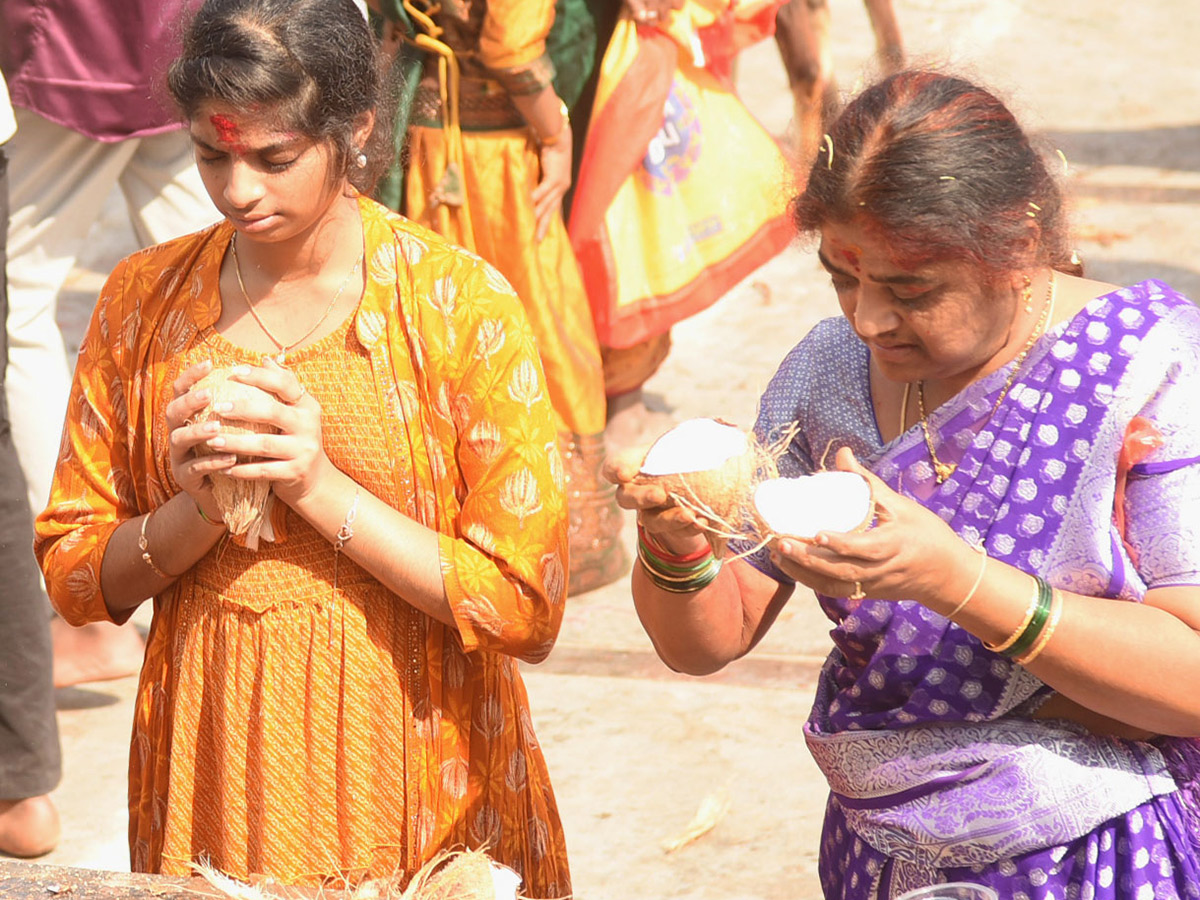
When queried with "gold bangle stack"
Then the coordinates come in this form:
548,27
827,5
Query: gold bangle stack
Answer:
1032,635
1012,638
1056,610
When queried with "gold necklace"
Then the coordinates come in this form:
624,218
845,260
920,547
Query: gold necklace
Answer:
944,470
285,349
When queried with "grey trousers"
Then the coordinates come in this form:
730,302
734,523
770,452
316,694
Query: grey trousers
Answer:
30,762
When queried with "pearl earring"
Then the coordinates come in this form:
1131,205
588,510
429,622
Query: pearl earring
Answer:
360,158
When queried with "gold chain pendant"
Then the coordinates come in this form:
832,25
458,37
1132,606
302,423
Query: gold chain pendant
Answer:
943,470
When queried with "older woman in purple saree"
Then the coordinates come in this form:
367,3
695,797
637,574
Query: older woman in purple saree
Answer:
1012,696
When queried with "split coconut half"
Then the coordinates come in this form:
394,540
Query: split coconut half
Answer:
243,504
803,507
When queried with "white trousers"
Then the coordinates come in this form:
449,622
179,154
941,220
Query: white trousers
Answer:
58,183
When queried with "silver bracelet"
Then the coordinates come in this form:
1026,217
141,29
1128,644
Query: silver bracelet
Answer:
347,530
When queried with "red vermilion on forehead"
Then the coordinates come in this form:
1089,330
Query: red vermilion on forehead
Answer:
851,255
227,130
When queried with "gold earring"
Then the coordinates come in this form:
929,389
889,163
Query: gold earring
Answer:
1027,295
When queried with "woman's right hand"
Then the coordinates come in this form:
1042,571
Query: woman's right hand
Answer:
673,527
548,196
190,470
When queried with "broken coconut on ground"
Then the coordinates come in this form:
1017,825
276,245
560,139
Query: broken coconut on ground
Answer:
710,467
243,504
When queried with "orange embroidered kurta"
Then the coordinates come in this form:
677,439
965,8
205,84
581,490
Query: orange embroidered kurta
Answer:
284,726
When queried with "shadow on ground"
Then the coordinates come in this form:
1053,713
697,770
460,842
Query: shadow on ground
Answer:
1168,147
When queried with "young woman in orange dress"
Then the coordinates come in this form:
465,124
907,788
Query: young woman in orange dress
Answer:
343,701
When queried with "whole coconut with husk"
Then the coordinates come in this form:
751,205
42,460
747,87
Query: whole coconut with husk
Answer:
711,467
243,504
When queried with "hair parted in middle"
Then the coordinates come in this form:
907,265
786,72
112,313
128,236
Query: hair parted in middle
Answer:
310,64
941,169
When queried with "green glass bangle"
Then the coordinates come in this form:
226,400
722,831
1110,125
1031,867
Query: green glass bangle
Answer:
650,563
686,585
667,568
204,515
1036,624
683,587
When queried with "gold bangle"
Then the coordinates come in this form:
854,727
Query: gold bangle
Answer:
144,546
553,139
1016,635
1044,638
978,580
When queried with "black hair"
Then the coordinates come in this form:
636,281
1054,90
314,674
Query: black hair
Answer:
941,167
311,63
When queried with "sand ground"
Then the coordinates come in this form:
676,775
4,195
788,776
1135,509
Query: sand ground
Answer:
633,749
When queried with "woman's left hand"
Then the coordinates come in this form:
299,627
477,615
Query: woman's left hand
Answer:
908,554
293,459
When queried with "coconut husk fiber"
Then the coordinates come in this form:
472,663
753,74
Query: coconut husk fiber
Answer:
243,504
450,875
721,495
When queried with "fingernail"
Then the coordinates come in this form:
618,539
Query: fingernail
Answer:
241,370
222,407
216,442
211,427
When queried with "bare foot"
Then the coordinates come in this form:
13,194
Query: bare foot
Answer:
28,827
98,651
631,424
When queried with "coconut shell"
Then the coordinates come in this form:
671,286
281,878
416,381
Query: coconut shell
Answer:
719,493
802,507
242,503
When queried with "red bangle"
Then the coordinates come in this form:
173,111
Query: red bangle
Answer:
666,555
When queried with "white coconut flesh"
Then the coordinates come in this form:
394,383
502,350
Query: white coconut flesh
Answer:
803,507
696,445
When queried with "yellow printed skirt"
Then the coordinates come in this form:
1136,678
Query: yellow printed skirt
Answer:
496,220
493,216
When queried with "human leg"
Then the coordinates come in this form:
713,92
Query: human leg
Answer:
802,34
630,423
58,183
30,764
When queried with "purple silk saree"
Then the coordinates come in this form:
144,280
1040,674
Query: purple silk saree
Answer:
936,768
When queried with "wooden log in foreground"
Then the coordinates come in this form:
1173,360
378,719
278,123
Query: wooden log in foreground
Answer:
20,880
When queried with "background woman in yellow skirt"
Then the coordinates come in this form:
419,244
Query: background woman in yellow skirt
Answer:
488,162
